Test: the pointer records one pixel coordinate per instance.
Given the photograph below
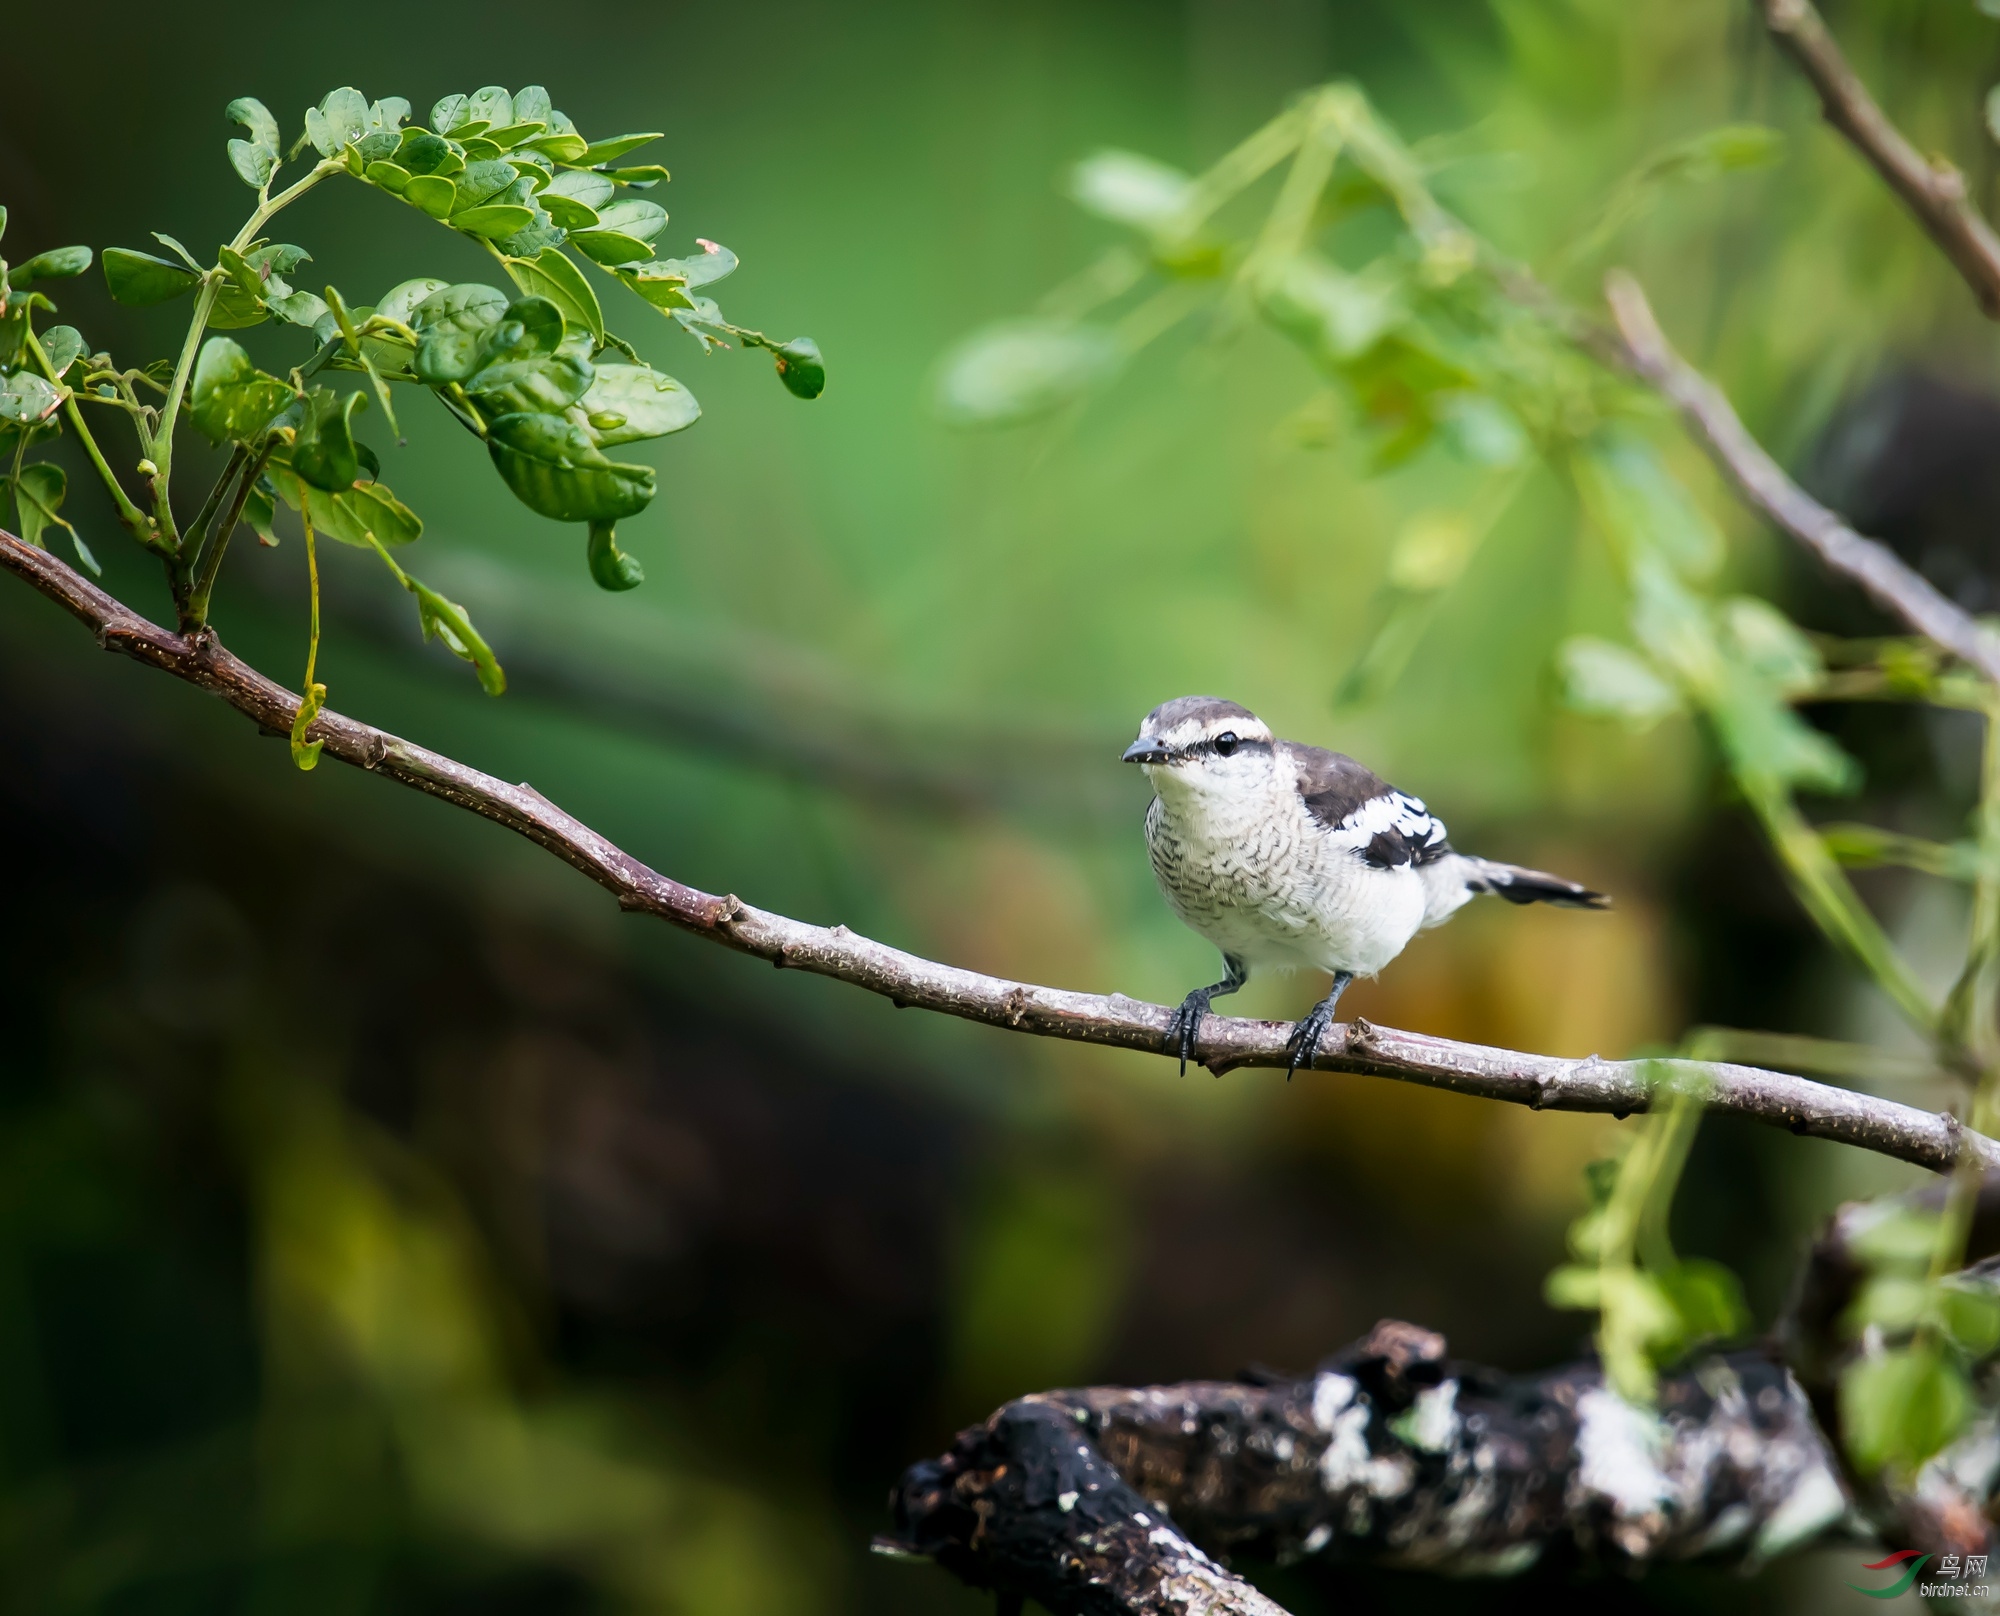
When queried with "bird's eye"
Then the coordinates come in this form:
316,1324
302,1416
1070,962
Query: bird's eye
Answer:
1225,743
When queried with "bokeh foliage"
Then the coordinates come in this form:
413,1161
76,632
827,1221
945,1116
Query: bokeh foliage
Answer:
986,617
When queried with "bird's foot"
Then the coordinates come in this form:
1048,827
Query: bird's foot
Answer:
1185,1026
1303,1045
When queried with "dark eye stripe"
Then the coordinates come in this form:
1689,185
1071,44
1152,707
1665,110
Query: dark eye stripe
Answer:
1243,744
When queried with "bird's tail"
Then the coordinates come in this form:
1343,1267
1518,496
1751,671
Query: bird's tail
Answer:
1517,885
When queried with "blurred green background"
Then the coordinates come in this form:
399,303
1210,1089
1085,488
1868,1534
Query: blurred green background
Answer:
388,1225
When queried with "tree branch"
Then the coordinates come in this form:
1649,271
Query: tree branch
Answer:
1930,188
1092,1502
1895,585
1927,1139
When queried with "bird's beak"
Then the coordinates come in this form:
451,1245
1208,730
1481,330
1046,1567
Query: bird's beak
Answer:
1145,751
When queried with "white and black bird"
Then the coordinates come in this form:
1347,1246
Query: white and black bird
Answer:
1287,857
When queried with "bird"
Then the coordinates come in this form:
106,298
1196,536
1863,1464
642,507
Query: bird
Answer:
1289,857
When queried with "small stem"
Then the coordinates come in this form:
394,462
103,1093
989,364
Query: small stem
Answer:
1830,899
237,455
128,513
211,561
163,456
1238,169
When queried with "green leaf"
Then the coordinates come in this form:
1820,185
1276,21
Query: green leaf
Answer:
492,106
1970,1314
611,247
611,567
339,120
564,148
401,301
800,367
391,177
454,325
140,280
603,151
449,113
1015,372
1770,645
38,496
256,120
547,383
254,164
325,455
495,221
1643,506
1900,1406
62,345
662,282
642,178
1608,681
352,514
57,264
704,268
630,403
508,136
305,754
531,102
1129,189
481,182
1335,316
551,275
642,221
422,152
1707,1297
567,211
26,397
555,470
446,621
433,194
260,511
229,398
593,191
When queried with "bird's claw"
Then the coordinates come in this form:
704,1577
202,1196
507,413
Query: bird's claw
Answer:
1303,1045
1185,1026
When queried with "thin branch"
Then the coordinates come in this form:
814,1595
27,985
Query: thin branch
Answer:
1927,1139
1899,588
1931,188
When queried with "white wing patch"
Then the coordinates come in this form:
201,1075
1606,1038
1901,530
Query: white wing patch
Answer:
1394,828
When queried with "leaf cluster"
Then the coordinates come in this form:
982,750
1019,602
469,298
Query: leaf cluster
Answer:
533,371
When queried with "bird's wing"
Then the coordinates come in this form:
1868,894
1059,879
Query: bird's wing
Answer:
1358,808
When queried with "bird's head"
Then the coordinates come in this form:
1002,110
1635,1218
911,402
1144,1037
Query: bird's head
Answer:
1202,744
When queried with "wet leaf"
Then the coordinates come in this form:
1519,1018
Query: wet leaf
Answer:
140,280
229,398
551,275
610,567
630,403
26,397
555,470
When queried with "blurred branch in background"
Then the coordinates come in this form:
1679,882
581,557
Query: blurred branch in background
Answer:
1540,1082
769,705
1932,188
1898,587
